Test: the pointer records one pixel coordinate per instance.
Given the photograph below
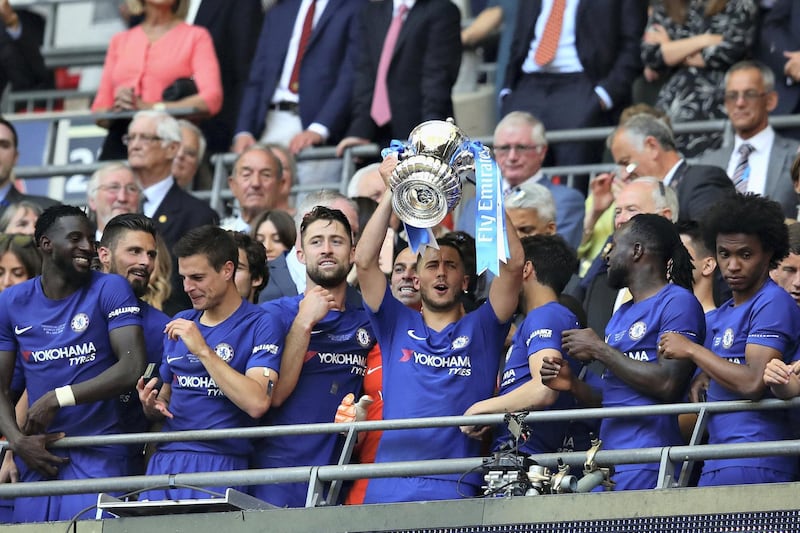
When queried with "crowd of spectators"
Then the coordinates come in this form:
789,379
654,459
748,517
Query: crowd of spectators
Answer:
672,278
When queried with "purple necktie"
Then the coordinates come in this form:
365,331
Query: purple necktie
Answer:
380,111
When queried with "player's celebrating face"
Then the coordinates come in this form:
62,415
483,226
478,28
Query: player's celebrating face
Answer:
69,243
205,286
135,258
442,278
327,252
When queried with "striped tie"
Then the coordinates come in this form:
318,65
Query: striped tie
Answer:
742,171
546,51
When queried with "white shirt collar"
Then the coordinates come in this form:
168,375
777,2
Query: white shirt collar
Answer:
671,173
761,141
297,270
536,178
408,3
155,194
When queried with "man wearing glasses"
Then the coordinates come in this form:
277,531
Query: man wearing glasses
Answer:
153,140
112,190
759,160
644,146
520,148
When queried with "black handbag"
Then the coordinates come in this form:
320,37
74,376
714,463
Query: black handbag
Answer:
179,89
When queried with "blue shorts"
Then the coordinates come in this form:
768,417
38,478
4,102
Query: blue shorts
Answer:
742,475
411,489
180,462
84,463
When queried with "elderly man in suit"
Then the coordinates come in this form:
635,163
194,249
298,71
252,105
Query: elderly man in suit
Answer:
520,147
760,160
153,140
644,146
9,154
572,64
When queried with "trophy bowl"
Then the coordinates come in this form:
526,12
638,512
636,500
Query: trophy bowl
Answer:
425,189
426,183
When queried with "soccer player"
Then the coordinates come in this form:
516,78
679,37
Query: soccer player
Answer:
549,264
128,248
649,259
219,366
437,362
328,337
759,324
79,338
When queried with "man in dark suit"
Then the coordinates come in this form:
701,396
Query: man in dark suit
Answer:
234,26
749,97
312,109
9,154
153,140
587,76
779,48
21,62
645,146
420,75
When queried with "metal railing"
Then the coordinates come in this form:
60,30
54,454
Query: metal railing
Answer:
318,476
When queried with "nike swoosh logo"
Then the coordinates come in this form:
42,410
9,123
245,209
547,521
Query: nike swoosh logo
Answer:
371,370
314,332
171,360
415,336
19,331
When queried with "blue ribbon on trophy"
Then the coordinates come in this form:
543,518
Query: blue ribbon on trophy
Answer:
426,185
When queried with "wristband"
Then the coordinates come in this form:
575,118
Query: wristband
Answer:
65,396
159,106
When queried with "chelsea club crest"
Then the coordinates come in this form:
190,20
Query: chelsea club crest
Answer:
727,338
79,322
224,351
637,330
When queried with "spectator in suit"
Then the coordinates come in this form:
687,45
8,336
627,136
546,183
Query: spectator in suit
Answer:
9,154
520,147
398,87
531,210
579,74
153,140
645,146
749,97
147,59
779,48
111,191
289,167
256,186
21,62
234,26
301,80
189,165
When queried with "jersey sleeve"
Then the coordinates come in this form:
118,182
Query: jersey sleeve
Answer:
682,313
774,323
268,343
119,304
8,341
542,329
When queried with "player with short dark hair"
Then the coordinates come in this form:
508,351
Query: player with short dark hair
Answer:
78,334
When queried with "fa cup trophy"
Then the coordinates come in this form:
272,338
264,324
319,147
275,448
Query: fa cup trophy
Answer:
426,183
